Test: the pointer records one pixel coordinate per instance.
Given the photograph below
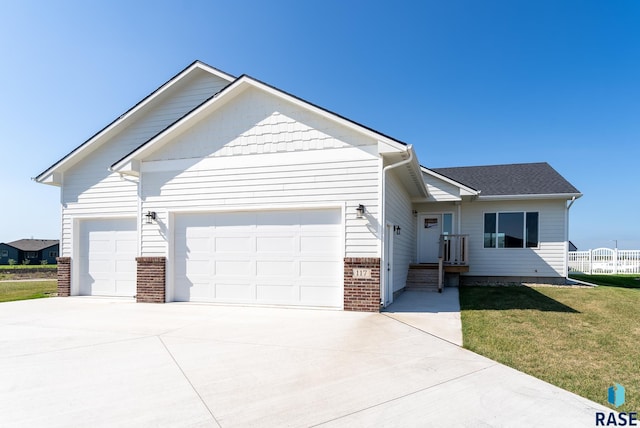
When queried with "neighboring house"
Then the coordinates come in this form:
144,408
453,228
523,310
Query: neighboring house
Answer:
31,250
223,189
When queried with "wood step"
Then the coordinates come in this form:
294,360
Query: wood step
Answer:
423,288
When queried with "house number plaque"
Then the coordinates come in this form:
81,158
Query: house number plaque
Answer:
362,273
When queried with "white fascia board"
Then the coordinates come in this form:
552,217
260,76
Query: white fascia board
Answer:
415,166
564,196
53,179
464,190
91,144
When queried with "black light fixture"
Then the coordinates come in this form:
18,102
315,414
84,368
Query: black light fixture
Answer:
151,216
396,229
360,211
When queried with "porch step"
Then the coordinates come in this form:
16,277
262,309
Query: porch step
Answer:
423,277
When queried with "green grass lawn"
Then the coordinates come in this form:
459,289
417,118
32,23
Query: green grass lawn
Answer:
10,291
30,266
580,339
625,281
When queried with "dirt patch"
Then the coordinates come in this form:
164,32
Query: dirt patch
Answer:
17,273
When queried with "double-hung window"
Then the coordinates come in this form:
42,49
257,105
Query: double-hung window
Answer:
511,230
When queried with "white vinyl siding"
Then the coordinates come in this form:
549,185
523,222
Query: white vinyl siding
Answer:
275,180
399,212
255,123
546,260
440,190
90,190
261,151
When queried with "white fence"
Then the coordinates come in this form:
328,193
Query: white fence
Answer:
605,261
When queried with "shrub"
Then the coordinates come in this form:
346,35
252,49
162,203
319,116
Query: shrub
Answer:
12,262
44,262
26,261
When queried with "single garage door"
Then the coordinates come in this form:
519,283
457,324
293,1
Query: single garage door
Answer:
108,250
272,257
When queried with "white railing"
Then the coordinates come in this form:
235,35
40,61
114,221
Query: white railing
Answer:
605,261
454,249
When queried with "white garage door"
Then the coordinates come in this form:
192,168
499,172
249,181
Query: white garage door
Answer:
108,249
273,257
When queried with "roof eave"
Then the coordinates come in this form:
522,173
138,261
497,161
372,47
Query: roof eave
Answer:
53,178
563,196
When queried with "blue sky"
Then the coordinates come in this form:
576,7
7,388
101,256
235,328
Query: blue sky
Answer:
465,82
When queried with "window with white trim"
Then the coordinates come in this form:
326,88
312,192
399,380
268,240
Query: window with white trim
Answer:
4,253
511,230
31,255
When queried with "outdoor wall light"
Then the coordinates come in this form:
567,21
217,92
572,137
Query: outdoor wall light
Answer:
360,211
396,229
151,216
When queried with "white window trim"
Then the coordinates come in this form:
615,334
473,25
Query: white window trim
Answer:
524,230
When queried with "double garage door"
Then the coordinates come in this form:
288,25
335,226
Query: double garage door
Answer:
269,257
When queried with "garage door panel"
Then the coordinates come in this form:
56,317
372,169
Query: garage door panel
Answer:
199,291
196,266
198,244
233,244
260,257
126,266
310,219
234,221
100,243
233,268
276,219
284,268
318,244
277,293
108,249
276,244
319,268
241,292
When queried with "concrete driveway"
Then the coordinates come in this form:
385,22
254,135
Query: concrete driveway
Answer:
103,362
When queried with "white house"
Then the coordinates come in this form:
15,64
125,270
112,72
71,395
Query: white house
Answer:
217,188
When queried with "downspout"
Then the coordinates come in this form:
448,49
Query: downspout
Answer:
566,238
383,220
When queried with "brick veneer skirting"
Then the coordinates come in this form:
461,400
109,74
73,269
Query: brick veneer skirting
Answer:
362,294
150,280
64,276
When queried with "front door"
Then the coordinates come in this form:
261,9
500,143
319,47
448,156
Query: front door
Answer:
429,231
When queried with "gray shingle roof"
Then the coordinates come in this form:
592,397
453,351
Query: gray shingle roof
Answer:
512,179
33,244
